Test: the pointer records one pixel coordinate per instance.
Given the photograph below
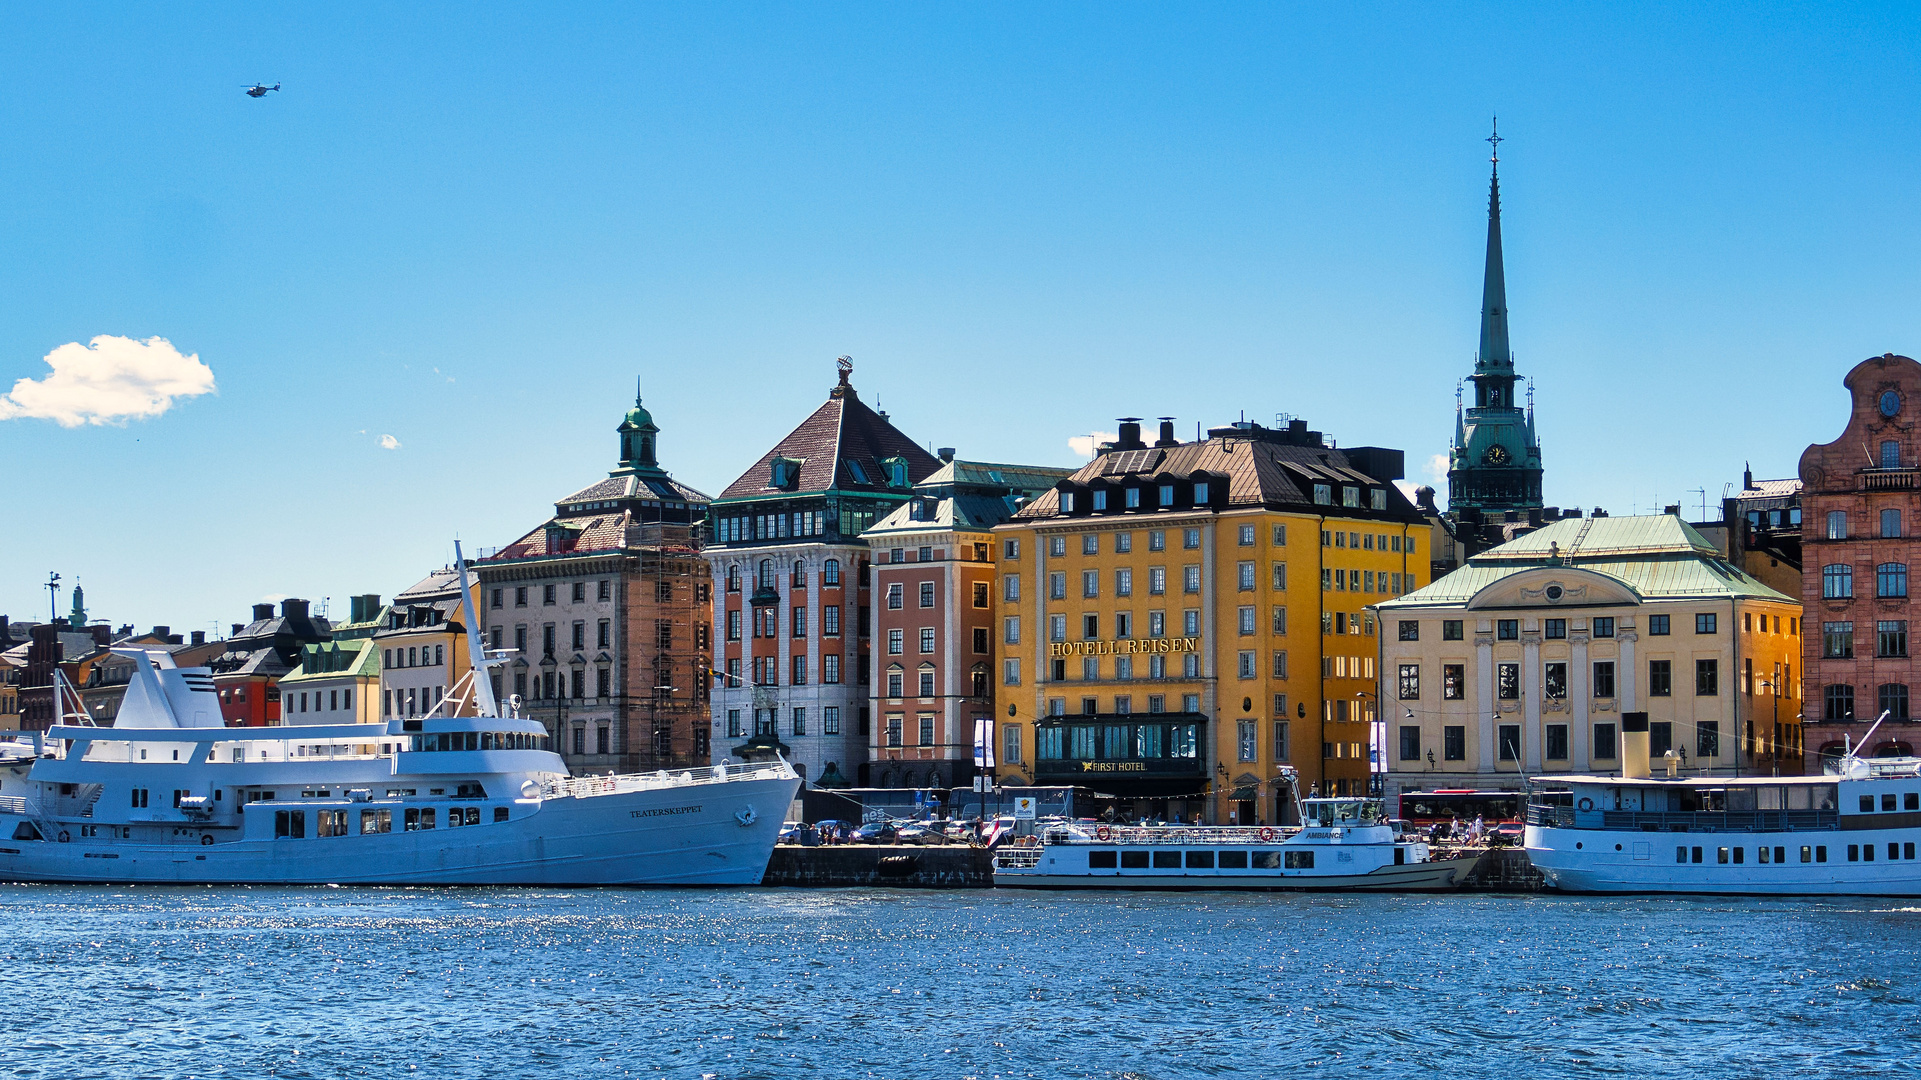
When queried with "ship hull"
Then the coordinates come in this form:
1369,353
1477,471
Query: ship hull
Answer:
1640,862
1413,877
707,834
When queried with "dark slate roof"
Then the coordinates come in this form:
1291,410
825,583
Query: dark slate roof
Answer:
1259,471
634,486
841,436
968,495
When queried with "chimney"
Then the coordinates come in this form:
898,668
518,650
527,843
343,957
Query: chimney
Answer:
161,632
1167,433
262,612
1672,510
1130,437
293,609
236,629
947,454
102,634
1534,518
1634,746
6,634
199,637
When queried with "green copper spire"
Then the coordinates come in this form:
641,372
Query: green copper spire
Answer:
1495,354
638,434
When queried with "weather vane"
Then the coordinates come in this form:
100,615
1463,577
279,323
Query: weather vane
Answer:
1495,141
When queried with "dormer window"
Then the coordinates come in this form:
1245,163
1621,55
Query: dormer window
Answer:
1167,495
1100,499
855,470
784,473
1324,494
1133,498
1379,498
1200,493
1350,496
1067,502
896,471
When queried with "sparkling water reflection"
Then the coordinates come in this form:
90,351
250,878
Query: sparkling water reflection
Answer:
763,983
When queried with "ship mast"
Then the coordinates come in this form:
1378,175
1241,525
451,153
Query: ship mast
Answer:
478,662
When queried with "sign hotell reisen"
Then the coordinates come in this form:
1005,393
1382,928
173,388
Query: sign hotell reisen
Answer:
1123,647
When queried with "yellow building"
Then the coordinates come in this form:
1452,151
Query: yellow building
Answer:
1183,621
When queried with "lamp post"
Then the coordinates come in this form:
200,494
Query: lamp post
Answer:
1377,743
1773,687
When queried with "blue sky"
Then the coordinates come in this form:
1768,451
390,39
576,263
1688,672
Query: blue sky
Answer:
470,228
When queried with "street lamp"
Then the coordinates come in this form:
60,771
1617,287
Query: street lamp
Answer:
1773,687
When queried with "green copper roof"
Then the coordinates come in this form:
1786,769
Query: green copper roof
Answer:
363,663
1658,556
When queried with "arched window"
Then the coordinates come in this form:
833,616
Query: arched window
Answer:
1837,581
733,577
800,572
1891,579
830,573
1892,698
766,574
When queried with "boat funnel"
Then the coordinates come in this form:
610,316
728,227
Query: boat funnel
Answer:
1634,746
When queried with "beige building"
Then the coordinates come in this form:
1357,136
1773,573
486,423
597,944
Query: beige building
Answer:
337,682
1523,661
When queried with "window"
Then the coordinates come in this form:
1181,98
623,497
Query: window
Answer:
1890,523
1454,743
1837,640
1246,620
799,665
1704,623
1508,737
830,668
926,640
830,572
1200,493
926,594
1891,579
1244,576
799,622
1191,622
1660,678
926,680
1410,682
1190,579
1156,580
1123,582
1248,669
1554,680
896,596
1657,625
1604,627
1707,739
1837,524
1453,682
1837,581
1191,538
1057,586
980,594
1604,678
1838,702
1891,638
547,594
1507,681
1090,584
1123,542
1554,629
1556,739
1410,630
1893,700
1507,629
1604,742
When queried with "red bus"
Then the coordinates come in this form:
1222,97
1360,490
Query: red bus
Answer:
1425,808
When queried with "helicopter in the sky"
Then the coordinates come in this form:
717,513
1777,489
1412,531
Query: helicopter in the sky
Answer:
260,89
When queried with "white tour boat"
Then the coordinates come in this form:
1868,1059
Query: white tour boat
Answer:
1345,843
1853,831
168,794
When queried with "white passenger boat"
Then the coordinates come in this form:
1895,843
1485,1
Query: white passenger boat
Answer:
168,794
1343,844
1853,831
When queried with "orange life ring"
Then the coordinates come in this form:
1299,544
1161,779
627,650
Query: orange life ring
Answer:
1102,834
1267,834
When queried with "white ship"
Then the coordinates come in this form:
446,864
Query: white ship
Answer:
168,794
1346,844
1849,832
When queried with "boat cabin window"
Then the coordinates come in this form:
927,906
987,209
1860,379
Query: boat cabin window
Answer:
1328,813
420,820
289,824
1299,860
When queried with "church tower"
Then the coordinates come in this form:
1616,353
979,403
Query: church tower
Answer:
1494,464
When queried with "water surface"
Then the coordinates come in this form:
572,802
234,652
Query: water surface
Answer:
252,982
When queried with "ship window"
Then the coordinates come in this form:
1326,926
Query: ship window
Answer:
1233,860
1821,853
376,821
1894,850
1780,855
1854,852
1911,800
1102,860
1681,854
1807,853
1696,852
290,824
332,823
1267,860
1167,860
1887,801
1133,860
1299,860
1867,804
500,814
1200,860
1907,851
1721,856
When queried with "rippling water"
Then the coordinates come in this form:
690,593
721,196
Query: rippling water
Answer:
250,982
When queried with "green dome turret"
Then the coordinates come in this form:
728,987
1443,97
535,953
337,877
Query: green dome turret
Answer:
638,434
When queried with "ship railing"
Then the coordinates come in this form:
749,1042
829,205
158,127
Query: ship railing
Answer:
1690,821
24,807
1017,858
1175,834
583,787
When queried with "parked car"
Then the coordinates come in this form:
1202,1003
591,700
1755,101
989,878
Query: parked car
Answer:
920,834
790,832
1506,833
875,832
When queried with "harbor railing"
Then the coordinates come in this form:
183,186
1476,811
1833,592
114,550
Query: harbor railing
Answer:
583,787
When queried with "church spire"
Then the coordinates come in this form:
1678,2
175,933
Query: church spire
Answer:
1495,354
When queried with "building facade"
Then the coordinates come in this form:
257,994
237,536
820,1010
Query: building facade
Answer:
605,608
1184,620
247,674
794,586
337,682
935,619
1861,531
422,649
1521,662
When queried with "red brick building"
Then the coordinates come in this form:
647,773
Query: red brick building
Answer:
1861,533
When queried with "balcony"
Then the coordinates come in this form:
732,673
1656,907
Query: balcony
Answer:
1901,479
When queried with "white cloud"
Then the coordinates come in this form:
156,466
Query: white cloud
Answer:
109,380
1085,445
388,442
1437,468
